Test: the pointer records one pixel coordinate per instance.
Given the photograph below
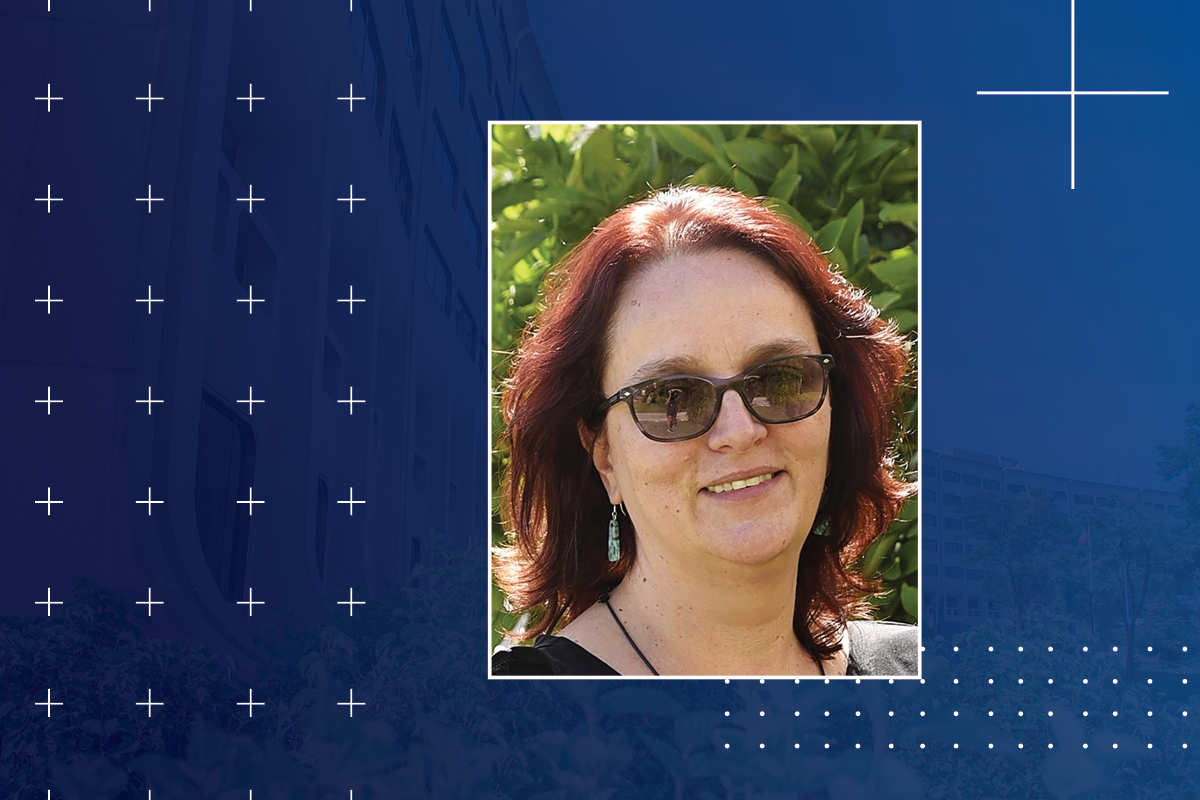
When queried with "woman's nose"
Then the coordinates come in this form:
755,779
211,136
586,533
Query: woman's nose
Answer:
735,427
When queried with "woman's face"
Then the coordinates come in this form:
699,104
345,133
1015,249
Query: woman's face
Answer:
712,314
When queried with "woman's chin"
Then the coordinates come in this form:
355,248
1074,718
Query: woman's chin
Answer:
755,543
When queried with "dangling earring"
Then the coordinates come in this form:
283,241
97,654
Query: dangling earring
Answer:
821,528
614,537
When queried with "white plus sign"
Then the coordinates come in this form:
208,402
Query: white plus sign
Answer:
252,704
251,200
149,199
252,502
48,300
251,299
352,501
250,403
47,603
351,602
48,503
149,502
149,98
47,704
351,98
1073,92
47,98
351,299
149,401
149,602
149,300
149,704
352,401
352,199
252,98
352,704
47,401
47,199
251,602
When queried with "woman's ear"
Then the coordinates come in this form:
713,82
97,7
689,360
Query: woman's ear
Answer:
596,444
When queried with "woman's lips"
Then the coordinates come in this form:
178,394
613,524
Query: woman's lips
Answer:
743,487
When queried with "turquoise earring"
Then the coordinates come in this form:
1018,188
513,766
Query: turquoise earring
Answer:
614,537
821,528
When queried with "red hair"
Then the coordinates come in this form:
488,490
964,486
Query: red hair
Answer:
554,502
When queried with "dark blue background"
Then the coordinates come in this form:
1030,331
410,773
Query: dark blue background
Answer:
1056,329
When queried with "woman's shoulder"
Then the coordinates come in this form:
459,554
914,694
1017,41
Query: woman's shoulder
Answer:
882,648
550,655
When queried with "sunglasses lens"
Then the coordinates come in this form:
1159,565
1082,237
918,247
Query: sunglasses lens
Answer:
786,390
677,408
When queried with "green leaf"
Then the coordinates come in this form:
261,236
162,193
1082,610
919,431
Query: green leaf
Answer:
691,143
743,183
784,187
757,157
828,236
899,273
898,212
852,227
512,137
909,599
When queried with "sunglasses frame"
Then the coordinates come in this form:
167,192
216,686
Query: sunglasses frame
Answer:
721,386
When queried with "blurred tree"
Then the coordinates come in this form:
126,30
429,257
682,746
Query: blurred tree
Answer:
852,187
1185,460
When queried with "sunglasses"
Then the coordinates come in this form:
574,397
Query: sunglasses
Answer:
680,407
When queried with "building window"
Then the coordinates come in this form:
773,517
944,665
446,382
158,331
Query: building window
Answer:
1084,499
929,570
988,483
929,519
401,177
953,524
953,572
970,480
471,231
485,56
370,58
443,162
1060,497
453,59
437,275
414,47
930,545
953,548
1015,488
933,497
225,453
952,500
464,324
928,471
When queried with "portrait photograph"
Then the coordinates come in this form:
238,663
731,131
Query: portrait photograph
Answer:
704,415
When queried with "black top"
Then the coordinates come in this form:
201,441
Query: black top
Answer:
874,648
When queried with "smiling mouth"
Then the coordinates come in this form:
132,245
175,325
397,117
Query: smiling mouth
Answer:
740,484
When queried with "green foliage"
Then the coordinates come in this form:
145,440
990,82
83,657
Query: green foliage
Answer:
852,187
1185,460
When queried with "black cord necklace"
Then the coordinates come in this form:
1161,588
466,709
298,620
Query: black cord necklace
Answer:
604,599
628,638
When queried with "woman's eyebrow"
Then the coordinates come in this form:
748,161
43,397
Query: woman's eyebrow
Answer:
689,365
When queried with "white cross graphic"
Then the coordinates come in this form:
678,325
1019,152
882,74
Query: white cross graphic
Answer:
250,403
252,502
351,98
149,199
149,502
48,503
352,401
352,199
352,602
47,603
149,98
149,300
251,200
1073,92
252,704
149,401
252,98
351,299
47,98
47,199
352,501
251,602
48,300
251,299
149,704
149,602
47,401
352,704
47,704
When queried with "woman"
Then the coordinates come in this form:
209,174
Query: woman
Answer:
699,432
